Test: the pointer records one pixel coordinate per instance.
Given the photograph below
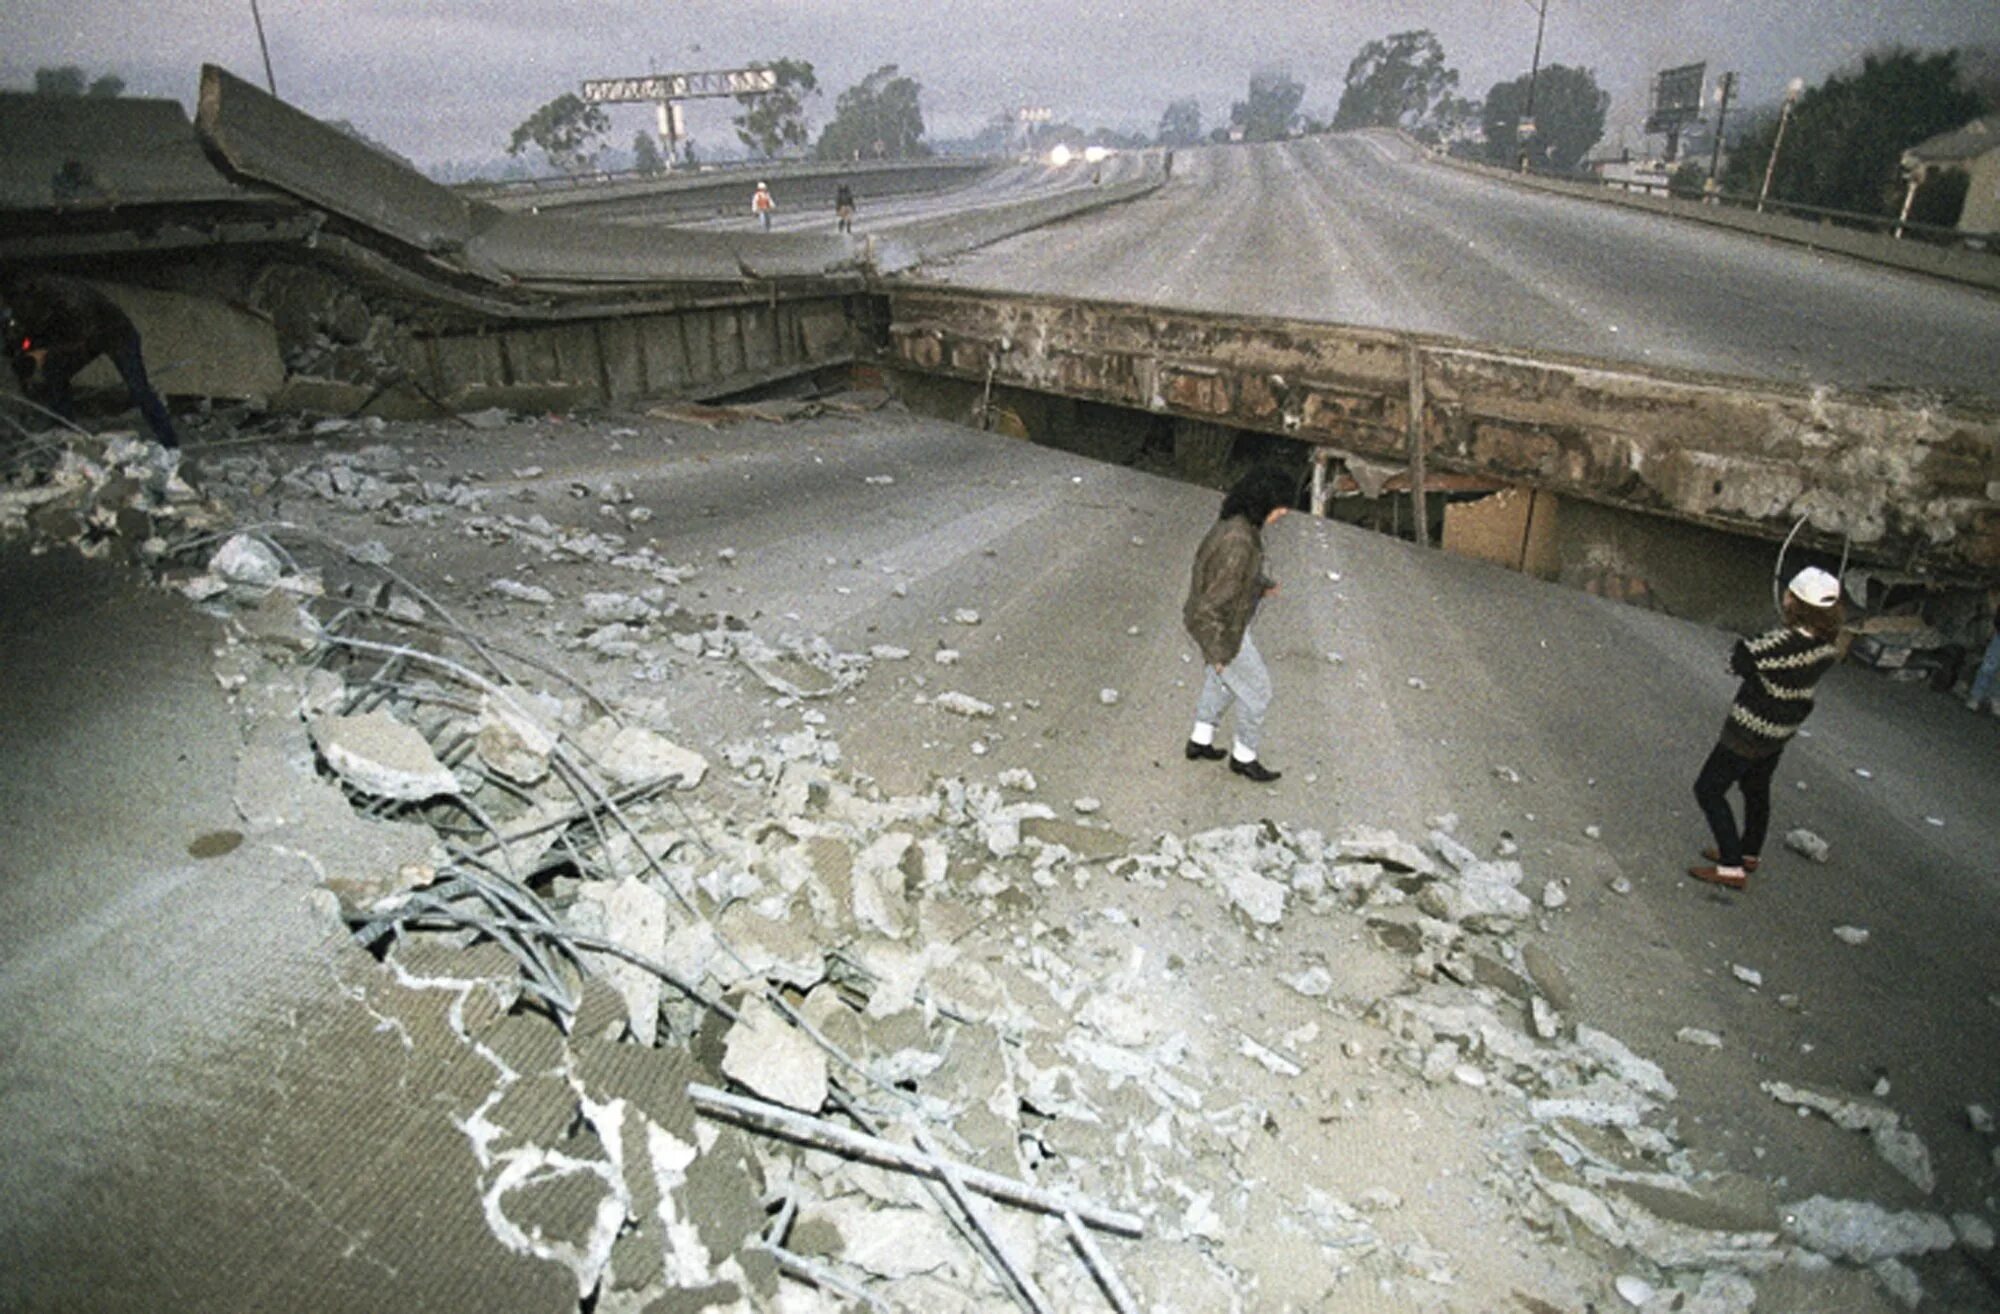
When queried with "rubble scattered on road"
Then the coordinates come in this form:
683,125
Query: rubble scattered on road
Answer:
1805,842
1855,935
956,979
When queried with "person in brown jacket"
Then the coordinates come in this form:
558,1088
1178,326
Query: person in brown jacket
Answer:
1228,582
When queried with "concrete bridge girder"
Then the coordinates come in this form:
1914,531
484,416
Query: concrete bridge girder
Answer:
1912,485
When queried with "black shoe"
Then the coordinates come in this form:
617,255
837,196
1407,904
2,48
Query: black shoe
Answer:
1204,752
1254,770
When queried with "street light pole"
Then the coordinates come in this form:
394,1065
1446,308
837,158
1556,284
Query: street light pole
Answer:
270,79
1792,90
1721,117
1534,72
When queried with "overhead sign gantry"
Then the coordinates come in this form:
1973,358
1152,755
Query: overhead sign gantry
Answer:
666,91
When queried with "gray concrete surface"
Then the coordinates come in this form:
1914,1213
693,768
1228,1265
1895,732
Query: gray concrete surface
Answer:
1362,230
199,1107
1606,713
175,1033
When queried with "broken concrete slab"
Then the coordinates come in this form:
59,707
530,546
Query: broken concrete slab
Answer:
512,741
1862,1232
634,755
770,1056
378,755
635,915
1901,1148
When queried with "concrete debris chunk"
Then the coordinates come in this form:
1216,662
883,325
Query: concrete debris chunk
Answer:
1899,1147
1900,1281
1974,1232
519,592
1697,1036
965,616
1017,778
892,1243
606,608
1854,935
635,915
1270,1059
1862,1232
1805,842
1979,1118
1749,976
1262,900
1633,1290
1720,1293
1384,848
1623,1064
1590,1112
247,562
511,742
1313,983
634,755
380,756
775,1059
962,704
881,885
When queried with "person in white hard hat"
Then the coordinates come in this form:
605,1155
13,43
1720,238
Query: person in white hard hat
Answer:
761,204
1780,670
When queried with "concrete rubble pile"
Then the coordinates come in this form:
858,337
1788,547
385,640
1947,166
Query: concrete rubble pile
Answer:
751,1034
111,496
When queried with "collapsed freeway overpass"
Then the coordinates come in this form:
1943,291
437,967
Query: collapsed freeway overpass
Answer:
1338,295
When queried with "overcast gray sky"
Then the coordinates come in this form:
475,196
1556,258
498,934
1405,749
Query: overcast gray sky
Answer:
449,79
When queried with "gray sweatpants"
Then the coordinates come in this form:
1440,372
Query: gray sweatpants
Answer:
1245,683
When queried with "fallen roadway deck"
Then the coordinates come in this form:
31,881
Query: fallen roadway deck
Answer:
143,1114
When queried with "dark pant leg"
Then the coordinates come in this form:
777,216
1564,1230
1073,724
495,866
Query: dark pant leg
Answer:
132,368
51,386
1711,790
1756,787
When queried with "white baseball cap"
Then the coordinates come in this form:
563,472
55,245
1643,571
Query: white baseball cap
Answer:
1815,587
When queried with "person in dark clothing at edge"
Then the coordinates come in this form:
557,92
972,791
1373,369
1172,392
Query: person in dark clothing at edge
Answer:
1227,585
1780,670
843,207
55,326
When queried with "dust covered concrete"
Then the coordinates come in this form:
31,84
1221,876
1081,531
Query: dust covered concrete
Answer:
855,736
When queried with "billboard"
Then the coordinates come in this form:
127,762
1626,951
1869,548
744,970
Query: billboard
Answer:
1677,97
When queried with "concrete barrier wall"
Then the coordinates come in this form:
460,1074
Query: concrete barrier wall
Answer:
704,195
1914,485
1959,264
903,246
261,138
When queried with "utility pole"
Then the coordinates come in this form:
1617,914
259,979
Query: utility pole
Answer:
270,80
1534,72
1721,117
1792,90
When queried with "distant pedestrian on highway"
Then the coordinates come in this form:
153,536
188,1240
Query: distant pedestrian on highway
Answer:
761,204
55,326
1780,669
1982,680
843,207
1227,585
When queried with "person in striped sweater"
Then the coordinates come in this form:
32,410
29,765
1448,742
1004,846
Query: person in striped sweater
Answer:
1780,669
